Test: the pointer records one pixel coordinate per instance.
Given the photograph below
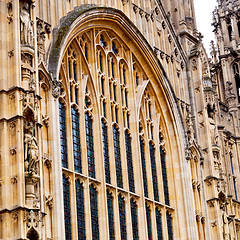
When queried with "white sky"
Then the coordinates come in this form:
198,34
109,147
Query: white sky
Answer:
203,9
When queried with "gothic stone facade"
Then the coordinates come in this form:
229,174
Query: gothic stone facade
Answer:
114,122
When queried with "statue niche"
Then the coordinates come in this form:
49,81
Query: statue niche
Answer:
26,25
31,150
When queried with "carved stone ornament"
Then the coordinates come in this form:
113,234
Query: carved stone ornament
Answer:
33,219
49,201
26,25
124,2
56,88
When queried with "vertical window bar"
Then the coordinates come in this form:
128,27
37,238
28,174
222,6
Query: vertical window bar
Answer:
117,153
90,145
94,213
67,208
106,152
159,224
154,171
144,171
76,141
129,162
149,224
63,135
134,220
169,226
122,217
80,210
164,176
110,216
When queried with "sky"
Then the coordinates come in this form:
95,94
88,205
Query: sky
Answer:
203,9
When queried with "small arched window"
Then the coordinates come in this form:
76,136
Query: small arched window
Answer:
94,212
122,217
134,216
67,208
159,224
149,222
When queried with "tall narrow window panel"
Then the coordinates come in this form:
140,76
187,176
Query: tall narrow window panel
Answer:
110,216
117,153
154,171
122,217
90,145
159,224
134,215
169,226
94,213
80,211
67,208
76,141
144,170
149,223
128,144
164,176
63,135
106,152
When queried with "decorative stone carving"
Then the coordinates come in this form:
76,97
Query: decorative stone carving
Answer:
10,13
11,53
124,2
33,219
45,120
214,223
13,150
26,25
14,179
49,201
56,88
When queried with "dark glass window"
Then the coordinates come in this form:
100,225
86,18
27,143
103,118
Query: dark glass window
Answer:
238,24
67,208
86,51
90,145
159,224
100,61
102,41
230,32
149,223
69,69
164,176
94,213
110,216
75,71
116,114
126,98
106,152
235,188
128,120
231,161
76,95
122,217
80,210
169,226
102,85
149,110
134,215
104,108
237,79
144,171
112,66
76,141
137,79
114,92
63,135
124,75
128,144
154,171
117,153
114,48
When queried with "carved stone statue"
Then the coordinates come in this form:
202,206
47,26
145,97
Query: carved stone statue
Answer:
31,148
26,25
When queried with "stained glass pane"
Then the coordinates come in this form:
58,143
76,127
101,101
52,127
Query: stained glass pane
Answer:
144,171
159,224
94,213
149,223
134,220
67,209
169,226
80,211
110,216
164,176
117,153
63,135
106,152
154,171
129,161
76,141
122,217
90,145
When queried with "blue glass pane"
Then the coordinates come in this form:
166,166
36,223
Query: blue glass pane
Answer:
63,135
169,226
67,209
117,152
76,141
134,220
159,224
94,213
106,152
110,216
144,171
80,211
122,217
90,145
149,223
129,162
164,176
154,171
